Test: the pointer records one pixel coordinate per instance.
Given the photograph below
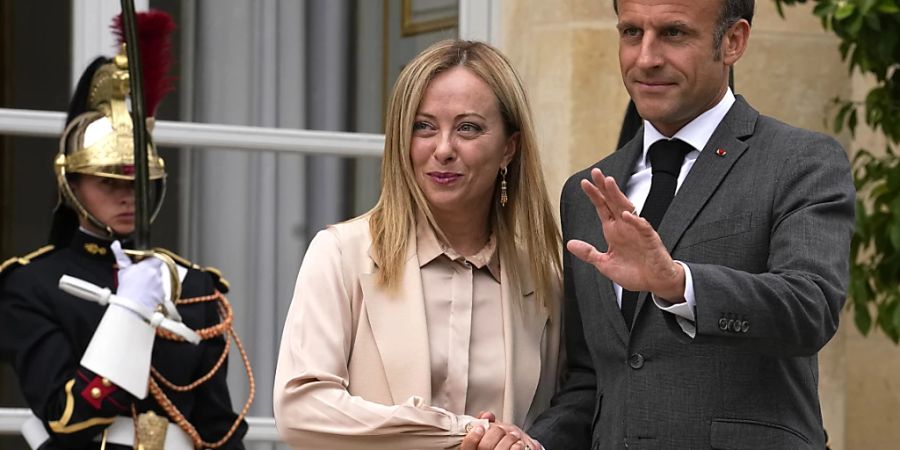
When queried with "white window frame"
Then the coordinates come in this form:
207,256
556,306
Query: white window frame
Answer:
478,20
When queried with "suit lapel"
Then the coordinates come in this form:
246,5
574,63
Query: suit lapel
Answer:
620,166
524,322
707,174
399,327
404,349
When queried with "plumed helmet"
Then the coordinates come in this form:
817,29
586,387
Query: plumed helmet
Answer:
98,138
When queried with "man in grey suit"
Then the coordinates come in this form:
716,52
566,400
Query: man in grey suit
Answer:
735,285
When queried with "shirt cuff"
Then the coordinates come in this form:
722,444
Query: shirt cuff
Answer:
466,424
684,312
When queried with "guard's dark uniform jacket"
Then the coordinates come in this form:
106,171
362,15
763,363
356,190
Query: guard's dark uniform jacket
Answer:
46,331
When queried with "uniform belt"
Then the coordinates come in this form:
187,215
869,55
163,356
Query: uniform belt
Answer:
121,432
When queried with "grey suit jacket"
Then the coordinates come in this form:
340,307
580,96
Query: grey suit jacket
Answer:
765,227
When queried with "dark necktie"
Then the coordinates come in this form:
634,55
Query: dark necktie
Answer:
666,157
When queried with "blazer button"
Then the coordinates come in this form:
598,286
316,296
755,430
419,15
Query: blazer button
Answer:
723,324
745,326
636,361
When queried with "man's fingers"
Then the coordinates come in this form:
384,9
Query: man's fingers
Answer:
492,437
472,439
584,251
597,175
487,415
646,231
597,200
512,440
531,443
615,199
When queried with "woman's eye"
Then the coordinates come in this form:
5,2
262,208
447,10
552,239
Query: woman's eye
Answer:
421,126
469,128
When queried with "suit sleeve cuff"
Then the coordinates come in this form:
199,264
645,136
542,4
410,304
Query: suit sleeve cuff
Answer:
684,312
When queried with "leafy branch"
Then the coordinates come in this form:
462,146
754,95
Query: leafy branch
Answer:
869,31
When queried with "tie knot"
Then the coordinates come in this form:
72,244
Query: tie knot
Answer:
667,155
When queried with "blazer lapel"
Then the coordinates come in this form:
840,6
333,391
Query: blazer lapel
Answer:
399,327
620,166
707,173
524,322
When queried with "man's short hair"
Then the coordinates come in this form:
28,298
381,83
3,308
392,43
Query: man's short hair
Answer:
729,14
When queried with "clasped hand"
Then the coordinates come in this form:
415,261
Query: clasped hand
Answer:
499,436
636,258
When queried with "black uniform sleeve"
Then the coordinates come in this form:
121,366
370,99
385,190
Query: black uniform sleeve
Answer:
74,403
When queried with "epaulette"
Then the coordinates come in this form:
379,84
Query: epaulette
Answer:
221,283
17,261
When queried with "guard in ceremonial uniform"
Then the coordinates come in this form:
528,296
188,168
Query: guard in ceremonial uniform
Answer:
117,376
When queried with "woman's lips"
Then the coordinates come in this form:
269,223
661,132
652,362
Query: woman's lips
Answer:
444,177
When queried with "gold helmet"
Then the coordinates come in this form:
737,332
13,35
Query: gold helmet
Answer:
98,138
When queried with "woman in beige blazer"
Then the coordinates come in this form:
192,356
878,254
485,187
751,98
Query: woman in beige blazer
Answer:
441,302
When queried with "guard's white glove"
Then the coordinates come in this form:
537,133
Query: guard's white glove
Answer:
122,345
141,282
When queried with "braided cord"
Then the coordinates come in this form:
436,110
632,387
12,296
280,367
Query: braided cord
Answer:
226,314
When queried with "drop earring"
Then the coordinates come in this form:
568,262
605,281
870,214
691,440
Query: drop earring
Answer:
504,198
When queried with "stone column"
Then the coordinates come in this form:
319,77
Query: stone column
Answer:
566,52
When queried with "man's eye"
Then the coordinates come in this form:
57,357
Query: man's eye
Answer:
631,32
673,32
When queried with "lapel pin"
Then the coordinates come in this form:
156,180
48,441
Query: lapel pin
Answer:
721,152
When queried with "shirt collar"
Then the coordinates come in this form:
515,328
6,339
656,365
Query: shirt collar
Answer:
92,246
698,131
429,248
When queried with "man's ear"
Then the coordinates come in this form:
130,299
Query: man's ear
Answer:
734,43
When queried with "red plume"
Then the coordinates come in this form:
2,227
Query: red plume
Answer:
153,30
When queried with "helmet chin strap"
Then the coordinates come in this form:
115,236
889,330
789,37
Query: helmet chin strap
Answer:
98,225
97,228
68,197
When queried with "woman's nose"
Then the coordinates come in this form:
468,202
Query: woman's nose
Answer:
444,148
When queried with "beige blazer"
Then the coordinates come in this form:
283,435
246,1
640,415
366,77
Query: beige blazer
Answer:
354,369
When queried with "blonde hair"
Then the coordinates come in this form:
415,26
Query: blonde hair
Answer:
525,222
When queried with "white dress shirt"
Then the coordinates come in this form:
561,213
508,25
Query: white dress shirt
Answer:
696,133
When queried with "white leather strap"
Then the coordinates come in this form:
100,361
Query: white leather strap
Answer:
122,432
34,432
92,292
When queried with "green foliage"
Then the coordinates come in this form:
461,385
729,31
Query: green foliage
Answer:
869,31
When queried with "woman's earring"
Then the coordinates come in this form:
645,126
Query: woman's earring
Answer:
504,198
